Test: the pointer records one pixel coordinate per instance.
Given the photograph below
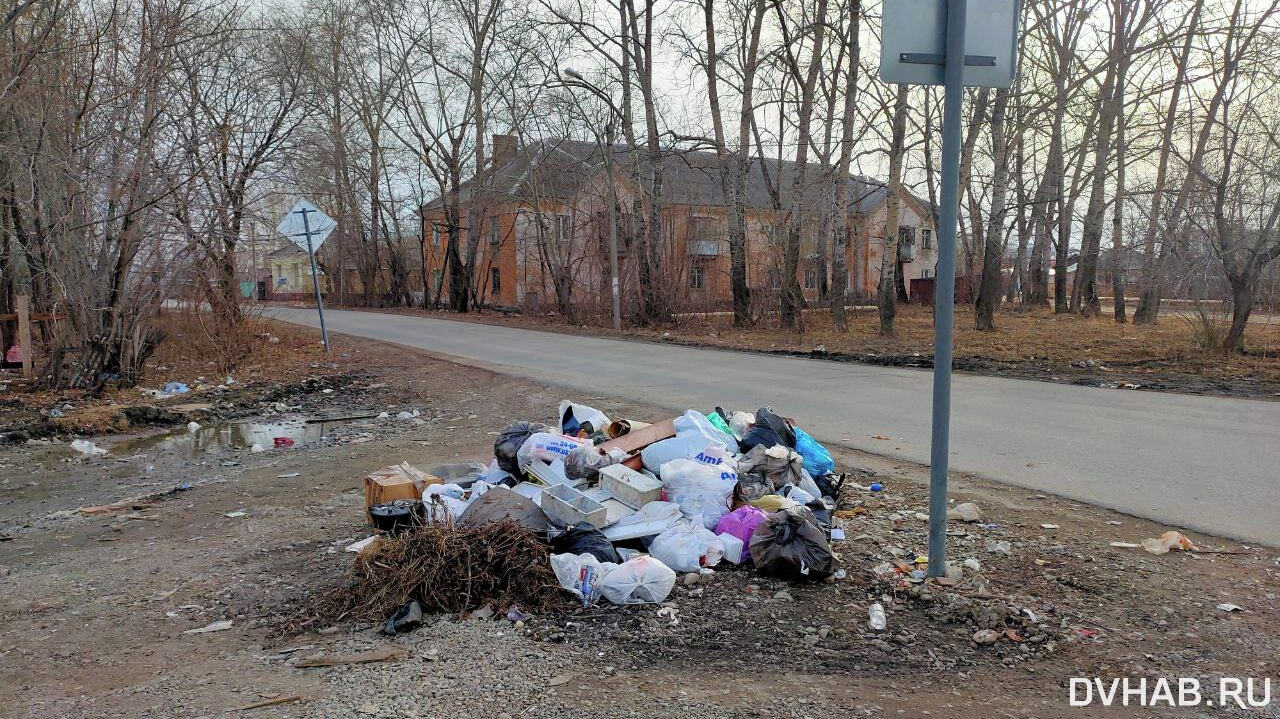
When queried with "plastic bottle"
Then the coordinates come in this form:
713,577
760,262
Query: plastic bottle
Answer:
876,618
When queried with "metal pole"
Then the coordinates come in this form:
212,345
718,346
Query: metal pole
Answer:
315,283
945,286
613,233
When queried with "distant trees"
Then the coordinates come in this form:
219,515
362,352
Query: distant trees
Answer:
134,137
140,144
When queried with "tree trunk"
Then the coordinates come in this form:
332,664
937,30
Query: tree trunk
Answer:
1148,310
792,294
734,167
1242,299
1087,274
1017,283
888,294
843,211
989,289
1119,253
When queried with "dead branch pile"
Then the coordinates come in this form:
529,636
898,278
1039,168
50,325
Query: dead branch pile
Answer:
448,568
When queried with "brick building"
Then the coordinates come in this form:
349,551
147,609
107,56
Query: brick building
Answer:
544,227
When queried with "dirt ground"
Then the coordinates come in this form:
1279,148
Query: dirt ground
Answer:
93,607
1034,344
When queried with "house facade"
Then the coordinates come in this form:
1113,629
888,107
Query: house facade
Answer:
544,229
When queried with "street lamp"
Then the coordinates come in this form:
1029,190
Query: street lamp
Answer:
577,79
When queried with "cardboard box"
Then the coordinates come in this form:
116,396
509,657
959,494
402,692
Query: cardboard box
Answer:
398,481
641,438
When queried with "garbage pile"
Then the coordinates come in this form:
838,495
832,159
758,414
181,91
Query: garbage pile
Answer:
615,508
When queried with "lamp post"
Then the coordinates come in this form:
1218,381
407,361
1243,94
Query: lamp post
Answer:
580,81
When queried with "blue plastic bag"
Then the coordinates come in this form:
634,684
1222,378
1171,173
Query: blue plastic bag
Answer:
817,460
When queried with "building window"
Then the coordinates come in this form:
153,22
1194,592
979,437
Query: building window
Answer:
706,229
926,238
563,228
906,244
494,237
436,278
495,280
435,237
810,279
697,278
775,278
924,274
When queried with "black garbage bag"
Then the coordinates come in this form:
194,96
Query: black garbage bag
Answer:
405,619
830,484
586,539
768,430
790,544
511,439
751,487
778,467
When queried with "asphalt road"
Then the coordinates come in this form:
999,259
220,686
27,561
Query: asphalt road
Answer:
1210,464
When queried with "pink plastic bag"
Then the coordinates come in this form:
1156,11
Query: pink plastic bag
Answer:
741,522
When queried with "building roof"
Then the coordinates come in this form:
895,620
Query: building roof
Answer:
289,251
557,169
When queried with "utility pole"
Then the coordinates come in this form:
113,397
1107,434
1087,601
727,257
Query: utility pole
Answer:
944,293
613,232
924,42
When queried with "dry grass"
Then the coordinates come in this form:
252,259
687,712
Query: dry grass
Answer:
191,350
1034,343
1037,335
94,419
188,354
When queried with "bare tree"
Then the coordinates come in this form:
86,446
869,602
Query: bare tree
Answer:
993,250
889,260
843,203
792,295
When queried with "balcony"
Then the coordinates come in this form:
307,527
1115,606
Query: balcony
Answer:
703,248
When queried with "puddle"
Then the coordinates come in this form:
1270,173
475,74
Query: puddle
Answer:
240,434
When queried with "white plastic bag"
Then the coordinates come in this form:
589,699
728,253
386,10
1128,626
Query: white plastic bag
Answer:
687,547
695,424
445,490
495,474
740,422
84,446
665,450
546,447
807,484
643,580
699,489
695,447
442,508
717,456
796,494
585,462
581,574
582,413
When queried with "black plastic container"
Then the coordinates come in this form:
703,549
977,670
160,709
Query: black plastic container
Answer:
397,516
